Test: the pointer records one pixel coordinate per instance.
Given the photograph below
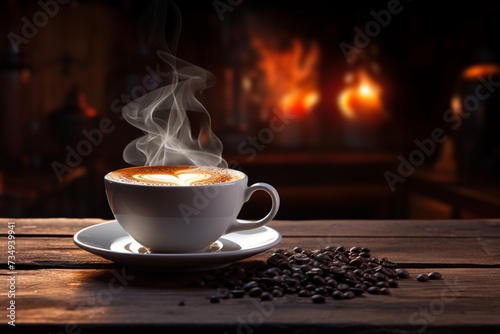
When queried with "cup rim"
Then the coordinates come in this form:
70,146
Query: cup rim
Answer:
243,177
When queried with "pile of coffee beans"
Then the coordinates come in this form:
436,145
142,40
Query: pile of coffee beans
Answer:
330,272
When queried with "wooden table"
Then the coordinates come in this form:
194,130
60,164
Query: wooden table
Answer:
60,288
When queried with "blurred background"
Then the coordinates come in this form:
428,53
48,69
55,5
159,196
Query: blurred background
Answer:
351,109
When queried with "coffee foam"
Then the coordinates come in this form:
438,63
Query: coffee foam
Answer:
174,175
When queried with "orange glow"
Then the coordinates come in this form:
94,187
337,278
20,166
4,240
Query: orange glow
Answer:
361,98
476,71
298,102
290,75
88,110
456,105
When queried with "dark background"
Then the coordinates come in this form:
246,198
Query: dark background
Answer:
66,78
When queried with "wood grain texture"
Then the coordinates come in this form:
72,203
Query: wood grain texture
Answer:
52,296
61,288
359,228
50,252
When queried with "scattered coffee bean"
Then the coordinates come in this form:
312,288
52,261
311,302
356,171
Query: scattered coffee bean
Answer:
422,278
349,295
336,271
318,299
305,293
435,275
373,290
255,292
337,294
402,273
393,283
266,296
277,293
382,285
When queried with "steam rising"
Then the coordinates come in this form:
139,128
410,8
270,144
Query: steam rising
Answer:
176,126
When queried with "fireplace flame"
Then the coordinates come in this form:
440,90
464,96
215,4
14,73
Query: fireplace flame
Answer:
290,75
362,98
176,126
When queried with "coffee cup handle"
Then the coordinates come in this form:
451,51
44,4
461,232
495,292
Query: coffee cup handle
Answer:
241,225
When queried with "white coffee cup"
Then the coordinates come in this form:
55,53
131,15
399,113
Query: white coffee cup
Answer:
181,209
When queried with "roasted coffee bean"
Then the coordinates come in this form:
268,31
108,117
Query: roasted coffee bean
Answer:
355,262
301,258
318,280
422,278
255,292
435,275
284,264
250,285
373,290
315,271
349,295
382,284
266,281
338,272
393,283
337,295
318,299
331,282
322,257
305,293
277,293
370,278
355,250
271,272
380,277
278,280
291,282
330,271
339,249
305,268
402,273
358,272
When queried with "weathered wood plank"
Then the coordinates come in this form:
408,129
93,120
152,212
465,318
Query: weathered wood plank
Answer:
358,228
409,252
463,298
48,226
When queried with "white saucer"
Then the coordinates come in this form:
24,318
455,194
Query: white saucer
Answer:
111,242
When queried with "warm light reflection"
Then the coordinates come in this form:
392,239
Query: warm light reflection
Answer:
456,105
363,97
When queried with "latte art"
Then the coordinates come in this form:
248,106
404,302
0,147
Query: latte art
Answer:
174,175
186,179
